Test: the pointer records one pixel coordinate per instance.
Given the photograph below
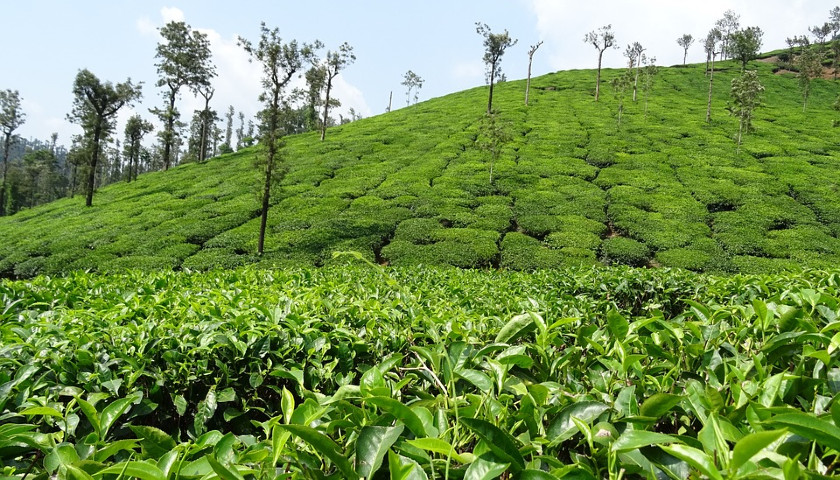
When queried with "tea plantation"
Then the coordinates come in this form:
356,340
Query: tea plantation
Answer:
144,338
416,373
411,187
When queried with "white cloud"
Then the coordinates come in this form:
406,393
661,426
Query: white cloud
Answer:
171,14
146,27
656,24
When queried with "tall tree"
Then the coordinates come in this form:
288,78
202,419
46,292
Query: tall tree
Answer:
226,146
280,62
727,25
315,80
493,135
649,73
531,52
495,45
183,60
11,117
745,44
411,81
746,97
809,64
601,39
334,64
685,42
713,40
95,106
207,117
634,53
135,129
240,132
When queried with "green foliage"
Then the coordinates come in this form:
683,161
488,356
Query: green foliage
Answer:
358,371
623,250
667,180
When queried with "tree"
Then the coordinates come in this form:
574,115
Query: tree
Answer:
649,73
334,64
685,42
531,52
620,86
184,60
493,134
727,25
11,117
280,62
495,45
135,129
226,146
745,44
809,64
207,118
746,97
411,81
315,79
240,132
634,54
601,39
95,106
711,44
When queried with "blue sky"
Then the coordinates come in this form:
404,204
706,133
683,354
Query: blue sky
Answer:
49,41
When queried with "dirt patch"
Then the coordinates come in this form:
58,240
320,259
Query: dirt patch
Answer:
773,59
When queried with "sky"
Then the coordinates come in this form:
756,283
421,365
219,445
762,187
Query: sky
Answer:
49,41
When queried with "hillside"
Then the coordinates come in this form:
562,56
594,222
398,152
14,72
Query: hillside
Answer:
410,186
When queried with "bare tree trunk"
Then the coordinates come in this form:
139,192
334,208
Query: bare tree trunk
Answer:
528,83
269,167
490,99
598,76
94,159
636,81
7,145
326,106
711,78
685,54
390,97
169,135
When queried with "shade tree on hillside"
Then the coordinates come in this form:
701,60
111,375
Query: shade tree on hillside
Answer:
207,118
620,85
412,83
634,53
711,45
135,129
95,107
649,72
601,39
685,41
746,97
334,63
727,25
495,45
315,78
493,135
531,51
280,62
184,60
809,64
745,44
11,118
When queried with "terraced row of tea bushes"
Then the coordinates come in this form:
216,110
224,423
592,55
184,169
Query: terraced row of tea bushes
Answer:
571,188
361,372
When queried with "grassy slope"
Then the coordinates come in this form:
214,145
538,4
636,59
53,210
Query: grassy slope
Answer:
410,187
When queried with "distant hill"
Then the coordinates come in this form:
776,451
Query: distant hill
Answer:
410,186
